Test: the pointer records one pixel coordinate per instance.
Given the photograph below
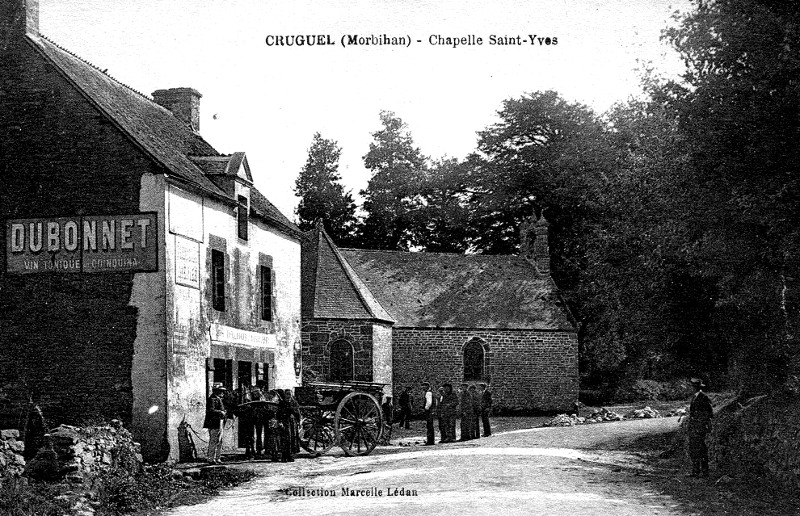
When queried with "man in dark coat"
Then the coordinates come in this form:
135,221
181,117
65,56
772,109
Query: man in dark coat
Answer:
405,408
215,423
476,411
465,402
486,409
448,410
700,414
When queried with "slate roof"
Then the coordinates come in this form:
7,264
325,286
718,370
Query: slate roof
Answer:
330,287
169,141
441,290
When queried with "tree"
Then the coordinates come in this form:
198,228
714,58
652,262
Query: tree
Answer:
545,154
739,110
444,223
391,199
321,194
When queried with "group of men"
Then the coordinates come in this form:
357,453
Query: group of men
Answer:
471,406
268,421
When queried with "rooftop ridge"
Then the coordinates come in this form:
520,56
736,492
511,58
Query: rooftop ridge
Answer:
430,253
104,72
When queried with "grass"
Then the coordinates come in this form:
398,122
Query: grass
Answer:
716,496
116,493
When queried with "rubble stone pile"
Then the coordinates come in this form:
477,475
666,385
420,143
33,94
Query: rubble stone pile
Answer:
12,462
78,454
645,413
564,420
603,415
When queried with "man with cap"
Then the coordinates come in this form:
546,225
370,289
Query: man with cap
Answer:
426,386
215,422
700,414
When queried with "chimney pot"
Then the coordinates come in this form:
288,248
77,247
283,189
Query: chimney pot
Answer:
184,103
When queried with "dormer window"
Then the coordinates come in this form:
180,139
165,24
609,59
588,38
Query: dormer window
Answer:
242,216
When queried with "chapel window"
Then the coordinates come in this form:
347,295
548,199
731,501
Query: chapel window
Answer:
473,360
342,365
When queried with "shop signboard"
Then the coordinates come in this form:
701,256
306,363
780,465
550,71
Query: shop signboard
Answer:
93,243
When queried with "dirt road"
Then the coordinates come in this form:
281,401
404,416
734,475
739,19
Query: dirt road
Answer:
579,470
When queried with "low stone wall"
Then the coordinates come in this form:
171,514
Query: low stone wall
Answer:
79,454
12,462
759,437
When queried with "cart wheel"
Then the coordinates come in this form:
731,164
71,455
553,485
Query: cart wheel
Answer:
316,430
358,423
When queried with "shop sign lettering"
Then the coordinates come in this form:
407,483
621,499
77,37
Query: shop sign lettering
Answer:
100,243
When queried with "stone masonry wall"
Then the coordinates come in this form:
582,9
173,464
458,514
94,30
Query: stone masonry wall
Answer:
759,439
317,335
65,339
528,370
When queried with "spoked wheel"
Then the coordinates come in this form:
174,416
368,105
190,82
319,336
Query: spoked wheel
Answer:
358,423
316,430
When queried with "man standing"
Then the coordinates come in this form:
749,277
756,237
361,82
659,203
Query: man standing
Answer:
449,409
405,408
215,422
437,398
700,414
465,400
476,411
429,413
486,409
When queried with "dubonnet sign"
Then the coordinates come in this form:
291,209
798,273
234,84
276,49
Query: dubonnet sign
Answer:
104,243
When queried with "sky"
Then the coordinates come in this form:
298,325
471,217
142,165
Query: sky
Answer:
268,101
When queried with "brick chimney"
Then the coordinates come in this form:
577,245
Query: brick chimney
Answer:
184,104
17,18
533,244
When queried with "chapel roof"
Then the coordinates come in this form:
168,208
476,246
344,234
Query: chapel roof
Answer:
443,290
331,289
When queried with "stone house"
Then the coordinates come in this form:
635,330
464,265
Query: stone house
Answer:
140,265
447,318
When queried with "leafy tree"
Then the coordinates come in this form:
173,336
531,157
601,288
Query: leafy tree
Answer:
544,154
392,197
444,223
321,194
738,108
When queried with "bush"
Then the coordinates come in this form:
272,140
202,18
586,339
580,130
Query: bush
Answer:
640,390
156,487
19,497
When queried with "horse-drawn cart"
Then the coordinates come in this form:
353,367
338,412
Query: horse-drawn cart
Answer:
344,413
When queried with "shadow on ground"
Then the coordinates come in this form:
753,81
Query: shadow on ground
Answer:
717,495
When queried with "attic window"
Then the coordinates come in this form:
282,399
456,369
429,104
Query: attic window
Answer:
242,214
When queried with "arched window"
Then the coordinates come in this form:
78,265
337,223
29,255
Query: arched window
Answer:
341,361
473,360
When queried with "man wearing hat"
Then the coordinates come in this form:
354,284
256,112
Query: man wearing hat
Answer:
700,414
215,422
426,386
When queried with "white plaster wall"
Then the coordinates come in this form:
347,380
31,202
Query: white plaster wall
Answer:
188,309
148,374
382,356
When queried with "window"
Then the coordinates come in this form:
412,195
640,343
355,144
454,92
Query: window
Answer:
223,372
473,360
266,293
242,214
218,280
341,361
